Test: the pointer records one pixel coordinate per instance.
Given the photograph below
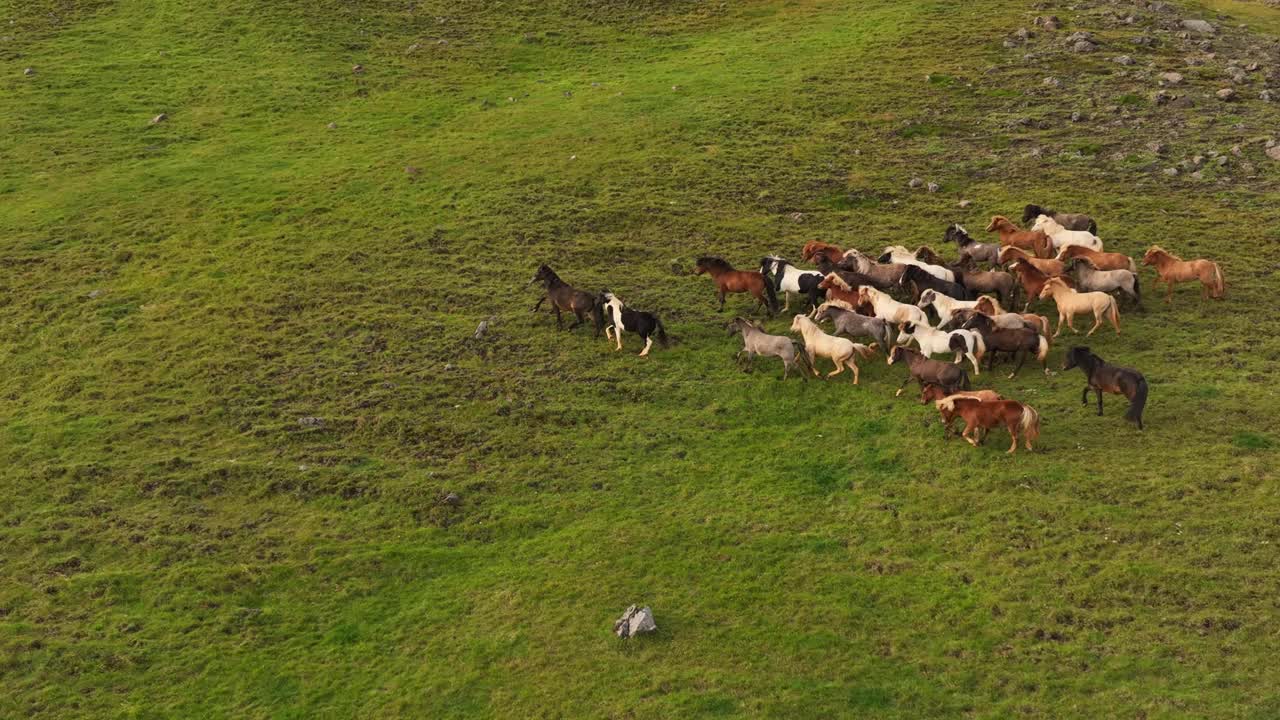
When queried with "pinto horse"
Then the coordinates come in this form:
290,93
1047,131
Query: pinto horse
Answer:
1037,242
565,298
815,249
645,324
728,280
981,415
1172,270
1100,376
969,248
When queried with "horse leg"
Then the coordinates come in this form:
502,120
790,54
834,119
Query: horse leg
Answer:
1059,330
813,361
854,367
1012,427
786,294
1097,323
1022,358
1099,392
648,343
559,324
577,314
617,335
1084,396
974,360
1168,297
539,303
903,385
968,430
839,366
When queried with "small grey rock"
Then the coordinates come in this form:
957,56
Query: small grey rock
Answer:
1182,101
933,187
1171,171
1084,46
311,422
159,118
452,499
29,72
1273,152
915,182
357,69
1122,60
1252,67
1171,78
1266,96
1144,40
1052,82
332,126
1076,116
964,204
635,621
1226,94
1199,26
1022,33
1078,36
1197,175
94,293
1157,147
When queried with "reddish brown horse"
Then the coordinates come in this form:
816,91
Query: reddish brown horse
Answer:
982,415
1033,281
728,280
814,249
1173,270
1034,240
1100,260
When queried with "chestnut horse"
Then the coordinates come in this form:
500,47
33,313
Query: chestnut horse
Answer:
1100,260
1049,266
1033,281
728,280
1034,240
981,415
1100,376
1172,270
813,249
936,394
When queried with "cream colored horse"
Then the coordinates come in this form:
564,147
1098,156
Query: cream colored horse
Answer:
890,310
840,350
1071,303
1063,237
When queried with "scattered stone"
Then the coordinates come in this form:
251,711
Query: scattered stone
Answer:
1197,160
964,204
1144,40
568,93
1193,61
1078,36
1158,148
1197,175
933,187
448,366
94,293
1206,46
915,182
1236,150
1222,160
1198,26
1010,44
1122,60
311,422
1182,102
1238,76
1266,96
1252,67
1171,171
414,48
332,126
1226,94
159,118
634,622
796,217
1171,78
1163,97
1048,22
1052,82
29,72
1247,168
1273,152
1084,46
357,69
452,499
482,328
1023,34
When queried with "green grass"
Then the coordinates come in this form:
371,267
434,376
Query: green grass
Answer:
177,296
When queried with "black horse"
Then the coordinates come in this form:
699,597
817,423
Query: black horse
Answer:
917,279
1070,221
1111,378
969,248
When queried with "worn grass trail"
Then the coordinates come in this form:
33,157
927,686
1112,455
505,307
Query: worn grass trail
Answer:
177,296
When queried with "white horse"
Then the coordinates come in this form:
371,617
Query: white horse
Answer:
889,309
964,343
1063,237
840,350
899,254
790,279
944,305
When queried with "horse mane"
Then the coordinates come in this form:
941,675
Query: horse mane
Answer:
838,304
713,261
839,282
898,249
1159,250
964,238
947,403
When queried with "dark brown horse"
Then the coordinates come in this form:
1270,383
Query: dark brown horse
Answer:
949,377
565,298
1112,378
728,280
1017,342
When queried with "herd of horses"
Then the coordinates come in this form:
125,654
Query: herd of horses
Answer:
902,298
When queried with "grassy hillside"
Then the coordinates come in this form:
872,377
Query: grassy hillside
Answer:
297,240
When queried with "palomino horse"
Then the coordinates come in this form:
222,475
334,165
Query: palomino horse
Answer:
1011,235
646,325
969,248
1070,221
1063,237
840,350
1071,303
1100,260
978,415
728,280
889,309
814,249
924,369
1172,270
755,341
1100,376
566,298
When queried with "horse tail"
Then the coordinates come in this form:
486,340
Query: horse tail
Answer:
1137,287
1219,283
804,356
1114,313
866,351
597,315
1043,352
773,296
1093,226
981,345
1030,424
1137,402
662,333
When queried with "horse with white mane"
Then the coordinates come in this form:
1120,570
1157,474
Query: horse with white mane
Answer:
1063,237
889,309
